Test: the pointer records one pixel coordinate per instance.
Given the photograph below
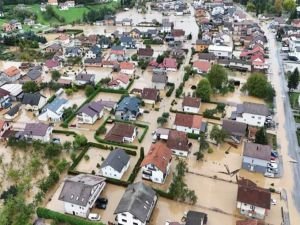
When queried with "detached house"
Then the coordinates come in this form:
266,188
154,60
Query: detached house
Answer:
35,131
116,164
80,193
190,104
170,64
178,34
34,101
256,157
156,164
127,42
53,111
189,123
178,142
11,74
73,52
119,81
145,54
202,45
90,112
251,113
150,95
128,109
159,81
127,68
136,205
84,78
196,218
94,52
121,132
253,201
235,130
4,127
202,66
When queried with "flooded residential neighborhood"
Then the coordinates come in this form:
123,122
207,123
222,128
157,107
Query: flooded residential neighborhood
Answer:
149,112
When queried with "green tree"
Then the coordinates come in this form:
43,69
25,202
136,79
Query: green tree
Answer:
278,6
203,90
217,134
289,5
217,77
162,120
293,80
52,150
160,58
30,87
203,145
89,90
250,7
257,85
261,136
55,75
79,141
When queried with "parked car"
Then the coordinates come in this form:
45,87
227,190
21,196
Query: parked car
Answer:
272,165
101,203
268,174
271,170
274,154
94,217
102,200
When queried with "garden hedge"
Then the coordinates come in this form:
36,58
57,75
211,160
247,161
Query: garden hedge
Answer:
136,168
115,143
67,132
64,218
163,194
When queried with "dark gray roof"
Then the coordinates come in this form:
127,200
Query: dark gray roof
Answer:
77,190
32,98
13,110
137,200
257,151
253,108
196,218
117,159
95,49
34,129
85,77
235,128
34,73
126,39
117,47
129,104
159,78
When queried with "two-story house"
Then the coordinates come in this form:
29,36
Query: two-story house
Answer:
116,164
11,74
34,101
90,112
136,205
256,157
122,133
191,104
156,164
253,201
53,111
128,109
35,131
189,123
252,114
178,142
80,193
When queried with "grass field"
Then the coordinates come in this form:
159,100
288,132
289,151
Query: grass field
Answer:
71,15
294,99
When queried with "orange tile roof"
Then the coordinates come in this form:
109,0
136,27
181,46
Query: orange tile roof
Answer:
187,120
12,71
126,65
158,155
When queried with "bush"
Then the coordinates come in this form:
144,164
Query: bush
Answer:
86,157
63,218
171,89
210,150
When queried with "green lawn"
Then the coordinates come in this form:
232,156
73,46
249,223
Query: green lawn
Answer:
71,15
294,99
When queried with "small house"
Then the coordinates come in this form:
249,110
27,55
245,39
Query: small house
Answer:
150,95
191,104
128,109
189,123
121,133
35,131
202,66
34,101
90,112
178,142
84,79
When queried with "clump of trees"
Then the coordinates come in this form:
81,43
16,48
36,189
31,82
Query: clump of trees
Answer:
203,146
217,134
204,90
293,79
257,85
24,40
218,79
50,14
97,15
30,87
178,188
261,136
163,119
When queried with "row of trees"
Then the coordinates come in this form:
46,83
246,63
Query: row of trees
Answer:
270,6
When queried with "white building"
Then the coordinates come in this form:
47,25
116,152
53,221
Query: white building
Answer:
251,113
116,164
190,104
221,51
53,111
36,131
80,193
136,205
34,101
189,123
253,201
90,112
156,164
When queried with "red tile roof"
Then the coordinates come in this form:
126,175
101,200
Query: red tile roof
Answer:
247,222
145,52
170,63
178,32
12,71
126,66
178,140
158,155
119,131
187,120
191,102
202,65
150,94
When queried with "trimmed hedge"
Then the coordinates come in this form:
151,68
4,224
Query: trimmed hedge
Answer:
163,194
116,91
115,143
193,136
78,159
171,89
67,132
98,145
117,182
136,167
130,84
51,99
73,220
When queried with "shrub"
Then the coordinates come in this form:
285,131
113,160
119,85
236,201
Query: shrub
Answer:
210,150
63,218
86,157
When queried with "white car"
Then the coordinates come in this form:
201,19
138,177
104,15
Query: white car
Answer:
273,201
272,165
94,217
268,174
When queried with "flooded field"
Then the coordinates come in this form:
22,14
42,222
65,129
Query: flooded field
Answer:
108,97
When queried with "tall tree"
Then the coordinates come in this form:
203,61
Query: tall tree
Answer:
30,86
261,136
289,5
293,80
278,6
217,77
204,90
217,134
